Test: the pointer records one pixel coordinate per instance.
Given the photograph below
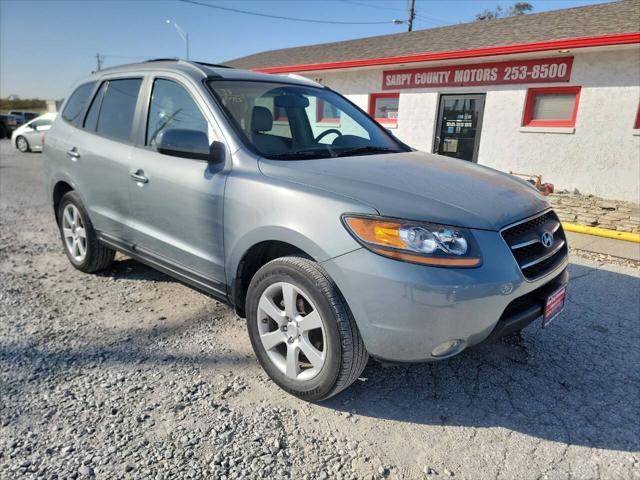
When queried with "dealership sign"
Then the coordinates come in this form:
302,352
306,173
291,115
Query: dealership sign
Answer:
540,70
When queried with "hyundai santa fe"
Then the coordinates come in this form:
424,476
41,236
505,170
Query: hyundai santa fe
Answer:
335,240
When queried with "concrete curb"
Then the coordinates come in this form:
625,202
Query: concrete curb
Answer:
602,232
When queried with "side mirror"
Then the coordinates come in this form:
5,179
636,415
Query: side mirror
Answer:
189,144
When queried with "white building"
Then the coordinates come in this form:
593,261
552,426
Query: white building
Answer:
555,93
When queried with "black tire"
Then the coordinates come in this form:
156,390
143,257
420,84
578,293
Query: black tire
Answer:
24,149
98,256
346,353
3,131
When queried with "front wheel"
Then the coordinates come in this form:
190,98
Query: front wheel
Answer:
302,331
22,144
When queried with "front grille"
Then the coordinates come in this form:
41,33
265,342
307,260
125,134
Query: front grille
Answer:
525,309
525,241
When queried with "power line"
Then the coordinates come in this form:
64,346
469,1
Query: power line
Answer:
442,21
293,19
426,18
435,20
395,9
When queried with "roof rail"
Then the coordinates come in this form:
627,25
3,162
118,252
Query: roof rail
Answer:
215,65
302,78
174,59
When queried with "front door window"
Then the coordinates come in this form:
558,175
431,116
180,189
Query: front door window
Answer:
459,124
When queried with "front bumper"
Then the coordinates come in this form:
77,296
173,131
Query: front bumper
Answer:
404,311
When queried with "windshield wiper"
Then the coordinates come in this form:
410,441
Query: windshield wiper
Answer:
300,154
365,149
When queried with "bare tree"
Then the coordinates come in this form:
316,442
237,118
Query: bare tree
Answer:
489,14
518,8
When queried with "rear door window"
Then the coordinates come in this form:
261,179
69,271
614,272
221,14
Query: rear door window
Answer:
76,103
118,105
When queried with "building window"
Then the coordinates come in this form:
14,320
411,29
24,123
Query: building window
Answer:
384,107
326,112
551,107
280,114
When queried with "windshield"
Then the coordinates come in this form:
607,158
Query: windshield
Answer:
288,122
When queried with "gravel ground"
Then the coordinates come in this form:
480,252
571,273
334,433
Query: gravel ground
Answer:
129,374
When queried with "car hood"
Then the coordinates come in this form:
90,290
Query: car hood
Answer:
18,130
419,186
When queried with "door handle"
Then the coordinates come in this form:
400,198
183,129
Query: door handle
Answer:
73,153
139,176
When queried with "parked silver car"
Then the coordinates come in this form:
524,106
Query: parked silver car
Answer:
30,136
334,239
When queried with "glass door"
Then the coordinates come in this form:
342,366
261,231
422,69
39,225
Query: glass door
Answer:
458,126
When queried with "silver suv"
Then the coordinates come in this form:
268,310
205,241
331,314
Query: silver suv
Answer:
282,198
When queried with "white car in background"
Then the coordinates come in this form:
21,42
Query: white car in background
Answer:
29,137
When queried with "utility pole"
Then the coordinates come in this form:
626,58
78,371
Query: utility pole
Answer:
99,60
412,15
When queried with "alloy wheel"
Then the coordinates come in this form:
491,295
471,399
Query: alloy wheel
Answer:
22,144
74,233
292,331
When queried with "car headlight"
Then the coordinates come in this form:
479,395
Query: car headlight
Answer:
416,242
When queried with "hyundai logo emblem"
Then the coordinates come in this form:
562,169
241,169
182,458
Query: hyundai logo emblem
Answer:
547,239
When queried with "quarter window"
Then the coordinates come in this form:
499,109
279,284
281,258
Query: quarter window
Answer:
384,107
77,101
172,107
91,120
551,107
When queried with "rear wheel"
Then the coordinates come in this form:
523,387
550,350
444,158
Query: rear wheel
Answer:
81,244
301,329
22,144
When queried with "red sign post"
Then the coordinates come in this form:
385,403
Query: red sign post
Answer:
539,70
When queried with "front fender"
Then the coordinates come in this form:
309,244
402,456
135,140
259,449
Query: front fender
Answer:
259,209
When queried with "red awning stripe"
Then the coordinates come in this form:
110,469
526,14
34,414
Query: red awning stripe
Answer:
566,43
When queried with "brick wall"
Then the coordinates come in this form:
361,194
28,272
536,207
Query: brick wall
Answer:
597,212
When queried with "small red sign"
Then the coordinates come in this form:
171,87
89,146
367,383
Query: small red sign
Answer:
539,70
553,306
